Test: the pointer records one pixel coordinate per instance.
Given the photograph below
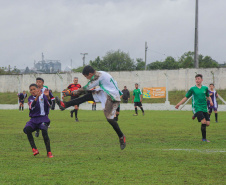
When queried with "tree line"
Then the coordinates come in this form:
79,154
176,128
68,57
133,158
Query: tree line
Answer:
121,61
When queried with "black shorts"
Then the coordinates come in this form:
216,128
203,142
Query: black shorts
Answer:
118,109
139,104
21,101
201,115
74,97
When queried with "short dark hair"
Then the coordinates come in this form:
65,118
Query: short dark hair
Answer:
40,79
136,83
33,85
198,75
88,69
212,84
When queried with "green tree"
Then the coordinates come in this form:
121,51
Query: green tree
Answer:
96,64
187,60
207,62
117,61
140,65
155,65
170,63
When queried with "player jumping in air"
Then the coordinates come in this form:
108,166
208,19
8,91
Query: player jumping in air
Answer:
42,88
214,96
39,105
73,87
21,97
137,99
199,95
108,94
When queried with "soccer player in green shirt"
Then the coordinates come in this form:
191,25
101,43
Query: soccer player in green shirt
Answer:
199,95
137,99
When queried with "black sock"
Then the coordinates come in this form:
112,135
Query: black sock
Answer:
19,107
142,109
22,108
30,137
136,110
76,112
203,129
72,111
216,116
95,107
92,107
46,140
77,101
115,126
37,130
209,115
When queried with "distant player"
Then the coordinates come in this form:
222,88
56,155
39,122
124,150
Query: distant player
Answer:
214,96
199,95
73,87
39,105
21,97
108,94
42,88
137,99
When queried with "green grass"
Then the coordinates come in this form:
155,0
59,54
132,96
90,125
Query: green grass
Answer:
174,97
88,152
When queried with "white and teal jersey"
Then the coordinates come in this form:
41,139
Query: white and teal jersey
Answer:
106,83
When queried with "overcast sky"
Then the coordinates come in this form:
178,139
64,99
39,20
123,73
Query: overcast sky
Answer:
62,29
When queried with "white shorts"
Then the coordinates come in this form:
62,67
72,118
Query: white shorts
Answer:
108,105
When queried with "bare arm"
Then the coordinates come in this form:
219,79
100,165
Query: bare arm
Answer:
132,99
210,99
181,102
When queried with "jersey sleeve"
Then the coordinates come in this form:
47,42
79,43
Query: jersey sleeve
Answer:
92,83
207,92
69,87
189,93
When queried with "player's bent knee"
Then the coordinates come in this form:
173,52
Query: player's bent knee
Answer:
28,130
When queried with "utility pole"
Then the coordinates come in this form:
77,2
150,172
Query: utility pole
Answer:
196,55
84,57
146,49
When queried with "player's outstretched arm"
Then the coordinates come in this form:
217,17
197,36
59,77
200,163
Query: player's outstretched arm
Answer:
181,102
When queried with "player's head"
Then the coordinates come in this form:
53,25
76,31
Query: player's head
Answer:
198,79
88,72
211,86
39,82
33,89
24,92
124,87
75,80
136,85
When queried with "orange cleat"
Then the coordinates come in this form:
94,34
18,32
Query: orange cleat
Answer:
35,151
49,155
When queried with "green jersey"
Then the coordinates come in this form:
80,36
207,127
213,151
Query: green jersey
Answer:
199,95
136,94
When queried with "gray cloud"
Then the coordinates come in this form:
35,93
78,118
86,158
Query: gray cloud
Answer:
64,29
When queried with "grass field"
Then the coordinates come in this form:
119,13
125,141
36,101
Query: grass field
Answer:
163,147
174,97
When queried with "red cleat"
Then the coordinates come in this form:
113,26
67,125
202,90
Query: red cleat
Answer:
35,151
49,155
60,104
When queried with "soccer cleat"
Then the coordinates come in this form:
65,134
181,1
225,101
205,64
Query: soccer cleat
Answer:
193,117
49,155
60,103
76,120
37,133
135,114
35,151
143,113
122,141
206,140
71,113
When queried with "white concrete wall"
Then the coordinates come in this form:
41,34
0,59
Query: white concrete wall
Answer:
181,79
